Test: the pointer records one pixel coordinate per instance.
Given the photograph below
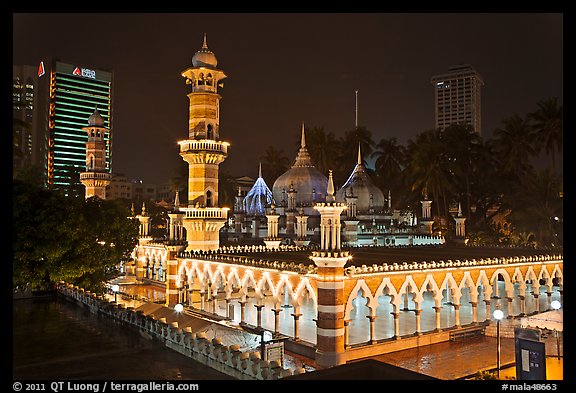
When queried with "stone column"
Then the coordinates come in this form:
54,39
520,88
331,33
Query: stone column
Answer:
242,311
510,308
259,314
296,318
346,333
276,312
488,312
457,315
561,296
438,328
372,318
202,301
417,312
227,308
536,303
396,325
549,301
522,305
474,312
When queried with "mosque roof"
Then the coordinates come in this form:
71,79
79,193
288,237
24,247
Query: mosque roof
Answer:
308,182
363,188
258,197
204,57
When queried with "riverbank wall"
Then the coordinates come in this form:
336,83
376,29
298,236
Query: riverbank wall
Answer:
228,359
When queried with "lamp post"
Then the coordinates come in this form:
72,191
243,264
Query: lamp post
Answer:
556,306
115,289
178,308
498,315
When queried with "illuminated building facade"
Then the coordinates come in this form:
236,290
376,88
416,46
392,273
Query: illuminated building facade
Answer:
69,95
457,97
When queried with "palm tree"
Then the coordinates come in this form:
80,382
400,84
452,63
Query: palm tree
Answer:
515,144
274,164
428,168
548,127
390,161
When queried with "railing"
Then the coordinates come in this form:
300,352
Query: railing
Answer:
95,175
204,145
205,212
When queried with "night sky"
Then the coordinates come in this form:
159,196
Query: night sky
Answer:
285,69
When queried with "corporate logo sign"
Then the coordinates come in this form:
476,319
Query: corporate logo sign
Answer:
85,72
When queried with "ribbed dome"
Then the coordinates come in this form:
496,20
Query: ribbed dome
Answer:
309,183
96,119
258,198
361,186
204,57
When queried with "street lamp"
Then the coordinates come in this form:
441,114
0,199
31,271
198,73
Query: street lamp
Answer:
556,306
115,289
178,308
498,315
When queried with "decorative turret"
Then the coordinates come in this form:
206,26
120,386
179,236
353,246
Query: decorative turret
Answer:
330,261
426,222
460,226
96,177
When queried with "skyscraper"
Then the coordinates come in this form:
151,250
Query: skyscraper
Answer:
64,98
457,97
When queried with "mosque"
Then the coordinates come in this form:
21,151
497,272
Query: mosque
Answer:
331,270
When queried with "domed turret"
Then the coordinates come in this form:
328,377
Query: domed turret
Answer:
96,119
303,177
204,57
359,184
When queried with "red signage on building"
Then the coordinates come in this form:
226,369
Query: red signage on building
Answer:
41,69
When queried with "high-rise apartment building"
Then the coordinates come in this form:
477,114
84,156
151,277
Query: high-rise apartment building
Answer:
25,117
458,98
64,98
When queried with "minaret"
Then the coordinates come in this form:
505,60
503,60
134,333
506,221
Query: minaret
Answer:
460,226
427,222
330,260
203,151
96,177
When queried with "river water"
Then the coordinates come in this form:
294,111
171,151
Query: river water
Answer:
54,339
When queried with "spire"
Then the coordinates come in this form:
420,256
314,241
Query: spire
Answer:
356,119
459,210
204,44
143,209
176,201
359,155
132,209
260,169
303,139
330,189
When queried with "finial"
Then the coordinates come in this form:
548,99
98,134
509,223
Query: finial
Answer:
132,209
330,189
359,155
176,201
143,209
260,169
204,45
303,139
459,210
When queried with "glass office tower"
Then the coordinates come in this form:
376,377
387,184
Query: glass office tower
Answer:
74,92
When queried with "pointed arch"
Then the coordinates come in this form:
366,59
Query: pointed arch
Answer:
387,288
452,286
467,281
360,285
409,283
304,285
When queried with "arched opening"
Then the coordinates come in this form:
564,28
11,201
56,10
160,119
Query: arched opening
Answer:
208,198
209,132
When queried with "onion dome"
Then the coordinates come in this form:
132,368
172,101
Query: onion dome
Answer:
96,119
359,184
258,197
303,177
204,57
